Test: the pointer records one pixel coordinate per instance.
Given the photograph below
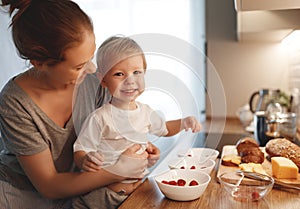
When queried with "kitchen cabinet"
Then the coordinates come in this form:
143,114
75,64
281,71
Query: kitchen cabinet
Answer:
266,20
254,5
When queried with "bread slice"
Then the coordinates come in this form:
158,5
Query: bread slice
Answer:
253,167
231,160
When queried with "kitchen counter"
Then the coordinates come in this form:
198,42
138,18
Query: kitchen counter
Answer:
148,194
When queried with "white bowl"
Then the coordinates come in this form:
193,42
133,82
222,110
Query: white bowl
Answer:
186,192
200,152
193,164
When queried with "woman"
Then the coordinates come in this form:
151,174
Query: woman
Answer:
36,122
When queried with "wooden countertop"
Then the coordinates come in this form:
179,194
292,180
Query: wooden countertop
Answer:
149,196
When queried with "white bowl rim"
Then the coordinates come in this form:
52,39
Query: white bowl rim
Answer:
180,170
211,164
186,151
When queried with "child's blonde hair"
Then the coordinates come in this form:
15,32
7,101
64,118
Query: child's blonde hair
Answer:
115,49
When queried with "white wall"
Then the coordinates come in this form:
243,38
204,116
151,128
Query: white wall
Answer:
242,67
10,63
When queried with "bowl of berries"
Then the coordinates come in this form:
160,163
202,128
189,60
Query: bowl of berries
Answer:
182,185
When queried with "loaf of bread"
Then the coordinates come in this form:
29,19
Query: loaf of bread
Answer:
249,151
284,148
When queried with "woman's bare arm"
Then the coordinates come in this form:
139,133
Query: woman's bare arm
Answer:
51,184
42,173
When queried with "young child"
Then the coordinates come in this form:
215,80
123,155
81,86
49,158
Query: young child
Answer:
115,126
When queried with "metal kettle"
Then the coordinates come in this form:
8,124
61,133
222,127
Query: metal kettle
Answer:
262,97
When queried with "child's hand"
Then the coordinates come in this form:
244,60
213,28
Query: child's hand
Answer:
92,161
192,123
130,164
153,154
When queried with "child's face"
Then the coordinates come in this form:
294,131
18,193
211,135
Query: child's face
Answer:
125,81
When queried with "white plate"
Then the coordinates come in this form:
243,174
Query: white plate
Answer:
200,152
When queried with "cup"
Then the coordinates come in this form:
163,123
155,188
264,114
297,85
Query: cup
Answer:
245,115
261,128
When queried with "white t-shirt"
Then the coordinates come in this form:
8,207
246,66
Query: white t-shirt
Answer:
110,130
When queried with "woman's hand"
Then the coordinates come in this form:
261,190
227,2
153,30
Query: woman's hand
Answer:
153,154
190,123
130,164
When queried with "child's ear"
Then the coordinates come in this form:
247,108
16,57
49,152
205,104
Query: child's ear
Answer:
101,79
103,84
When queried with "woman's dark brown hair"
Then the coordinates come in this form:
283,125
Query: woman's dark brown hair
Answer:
43,30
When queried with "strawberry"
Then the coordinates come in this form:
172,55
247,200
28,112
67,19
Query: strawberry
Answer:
193,183
173,183
193,167
255,195
181,182
164,182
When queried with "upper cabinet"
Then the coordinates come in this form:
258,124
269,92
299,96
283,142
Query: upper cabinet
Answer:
254,5
266,20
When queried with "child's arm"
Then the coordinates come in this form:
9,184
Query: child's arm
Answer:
91,161
175,126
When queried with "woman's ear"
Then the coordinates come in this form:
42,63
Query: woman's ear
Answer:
36,64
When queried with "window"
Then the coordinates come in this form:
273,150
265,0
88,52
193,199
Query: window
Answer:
181,19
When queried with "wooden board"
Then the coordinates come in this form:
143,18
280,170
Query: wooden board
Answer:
230,149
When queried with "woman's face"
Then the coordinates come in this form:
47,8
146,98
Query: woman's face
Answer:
76,65
125,81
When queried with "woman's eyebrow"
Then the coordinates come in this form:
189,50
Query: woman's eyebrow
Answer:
90,60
